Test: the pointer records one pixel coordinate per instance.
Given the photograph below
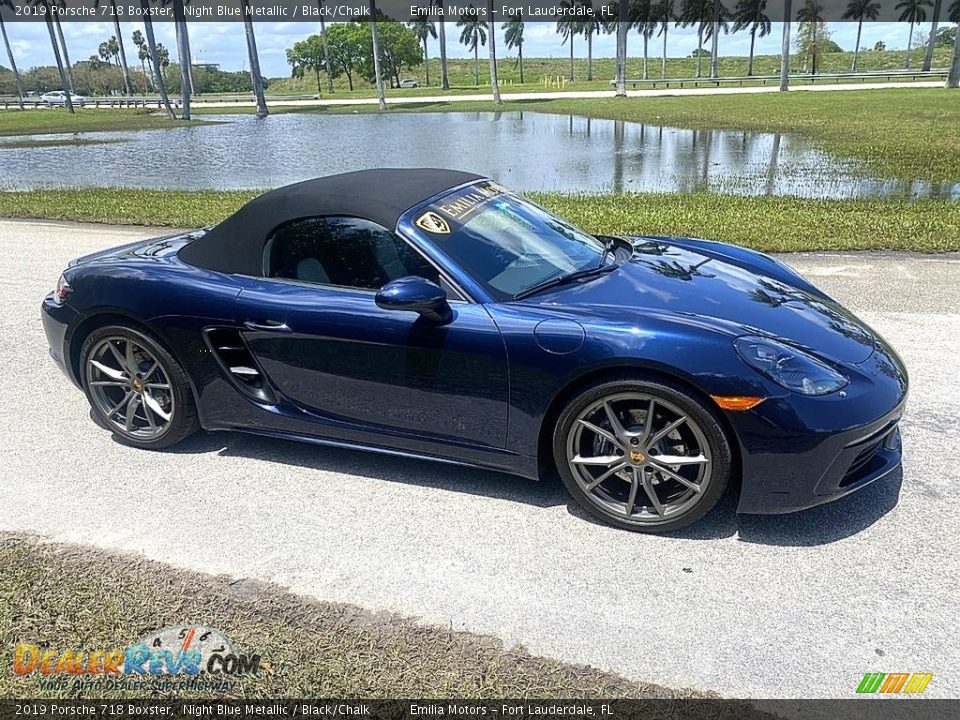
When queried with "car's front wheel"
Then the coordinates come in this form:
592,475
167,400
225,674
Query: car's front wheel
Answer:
644,455
136,388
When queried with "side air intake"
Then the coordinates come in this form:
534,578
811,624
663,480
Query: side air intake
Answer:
236,360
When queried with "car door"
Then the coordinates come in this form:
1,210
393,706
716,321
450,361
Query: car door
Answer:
314,327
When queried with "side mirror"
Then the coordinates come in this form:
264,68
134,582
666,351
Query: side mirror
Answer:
416,294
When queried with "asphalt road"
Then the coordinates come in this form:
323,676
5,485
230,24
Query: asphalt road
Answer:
777,606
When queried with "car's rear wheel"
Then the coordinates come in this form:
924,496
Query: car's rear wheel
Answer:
136,388
644,455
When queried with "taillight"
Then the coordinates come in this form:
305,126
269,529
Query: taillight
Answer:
63,290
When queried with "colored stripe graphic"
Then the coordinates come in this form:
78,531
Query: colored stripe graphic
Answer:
918,682
870,683
894,683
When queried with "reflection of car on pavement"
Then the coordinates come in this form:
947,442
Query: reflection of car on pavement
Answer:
409,83
435,314
58,98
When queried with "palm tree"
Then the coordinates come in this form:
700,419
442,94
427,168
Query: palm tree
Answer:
183,51
48,16
953,77
718,22
811,16
915,13
6,42
589,26
785,48
121,53
424,29
623,24
154,53
696,12
568,29
662,13
444,82
861,10
143,53
494,80
932,41
63,42
256,79
640,21
751,13
381,101
326,48
473,35
513,36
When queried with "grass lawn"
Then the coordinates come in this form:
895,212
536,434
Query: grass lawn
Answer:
769,224
69,597
910,134
57,120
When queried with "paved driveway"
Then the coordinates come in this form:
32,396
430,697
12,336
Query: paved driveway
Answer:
750,605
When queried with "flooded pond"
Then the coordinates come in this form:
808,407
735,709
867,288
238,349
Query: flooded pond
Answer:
524,150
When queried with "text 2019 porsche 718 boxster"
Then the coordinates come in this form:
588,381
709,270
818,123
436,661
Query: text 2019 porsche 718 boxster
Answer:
434,314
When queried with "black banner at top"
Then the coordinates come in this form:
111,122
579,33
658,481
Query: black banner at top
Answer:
604,11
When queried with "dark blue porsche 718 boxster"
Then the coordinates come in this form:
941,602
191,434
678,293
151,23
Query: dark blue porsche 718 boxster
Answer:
435,314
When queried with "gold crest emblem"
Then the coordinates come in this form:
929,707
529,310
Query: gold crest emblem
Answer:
637,457
433,223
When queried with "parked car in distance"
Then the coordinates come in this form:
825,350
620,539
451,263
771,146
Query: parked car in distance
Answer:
58,98
409,83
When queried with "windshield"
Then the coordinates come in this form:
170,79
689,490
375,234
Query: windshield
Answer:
505,243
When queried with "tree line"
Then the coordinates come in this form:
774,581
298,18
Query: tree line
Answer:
377,47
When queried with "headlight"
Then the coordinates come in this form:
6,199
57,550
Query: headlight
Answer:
788,366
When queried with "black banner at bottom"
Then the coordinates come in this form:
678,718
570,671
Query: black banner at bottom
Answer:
665,709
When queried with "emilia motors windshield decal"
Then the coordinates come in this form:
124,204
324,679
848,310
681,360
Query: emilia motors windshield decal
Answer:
178,657
445,216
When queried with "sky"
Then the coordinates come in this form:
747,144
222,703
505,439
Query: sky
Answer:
224,43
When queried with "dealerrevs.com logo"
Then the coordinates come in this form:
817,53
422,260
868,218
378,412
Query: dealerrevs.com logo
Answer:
894,683
189,652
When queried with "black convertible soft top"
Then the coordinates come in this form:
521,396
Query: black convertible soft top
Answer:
381,196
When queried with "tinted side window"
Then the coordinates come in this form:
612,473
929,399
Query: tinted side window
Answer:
342,251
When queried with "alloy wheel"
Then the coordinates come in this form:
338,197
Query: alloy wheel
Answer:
639,457
130,387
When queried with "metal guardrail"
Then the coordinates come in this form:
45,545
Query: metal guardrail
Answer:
7,102
799,77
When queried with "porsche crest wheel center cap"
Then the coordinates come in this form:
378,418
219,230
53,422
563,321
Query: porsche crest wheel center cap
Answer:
637,457
137,384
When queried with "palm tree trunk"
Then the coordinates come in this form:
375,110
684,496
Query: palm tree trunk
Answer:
714,60
934,24
571,56
622,27
155,58
444,82
143,69
13,63
906,58
256,79
856,48
127,85
590,56
785,49
663,64
953,77
66,56
520,58
326,50
381,101
699,48
815,50
426,60
56,57
476,61
646,74
183,51
316,69
494,80
753,39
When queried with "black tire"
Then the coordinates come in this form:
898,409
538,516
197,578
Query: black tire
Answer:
183,421
715,476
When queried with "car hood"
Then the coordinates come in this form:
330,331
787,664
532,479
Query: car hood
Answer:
662,279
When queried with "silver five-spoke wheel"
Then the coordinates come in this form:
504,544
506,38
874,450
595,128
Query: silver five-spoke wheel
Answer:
130,387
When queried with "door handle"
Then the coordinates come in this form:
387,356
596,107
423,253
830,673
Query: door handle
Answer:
267,326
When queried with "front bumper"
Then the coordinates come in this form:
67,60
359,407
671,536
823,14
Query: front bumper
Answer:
57,321
798,452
